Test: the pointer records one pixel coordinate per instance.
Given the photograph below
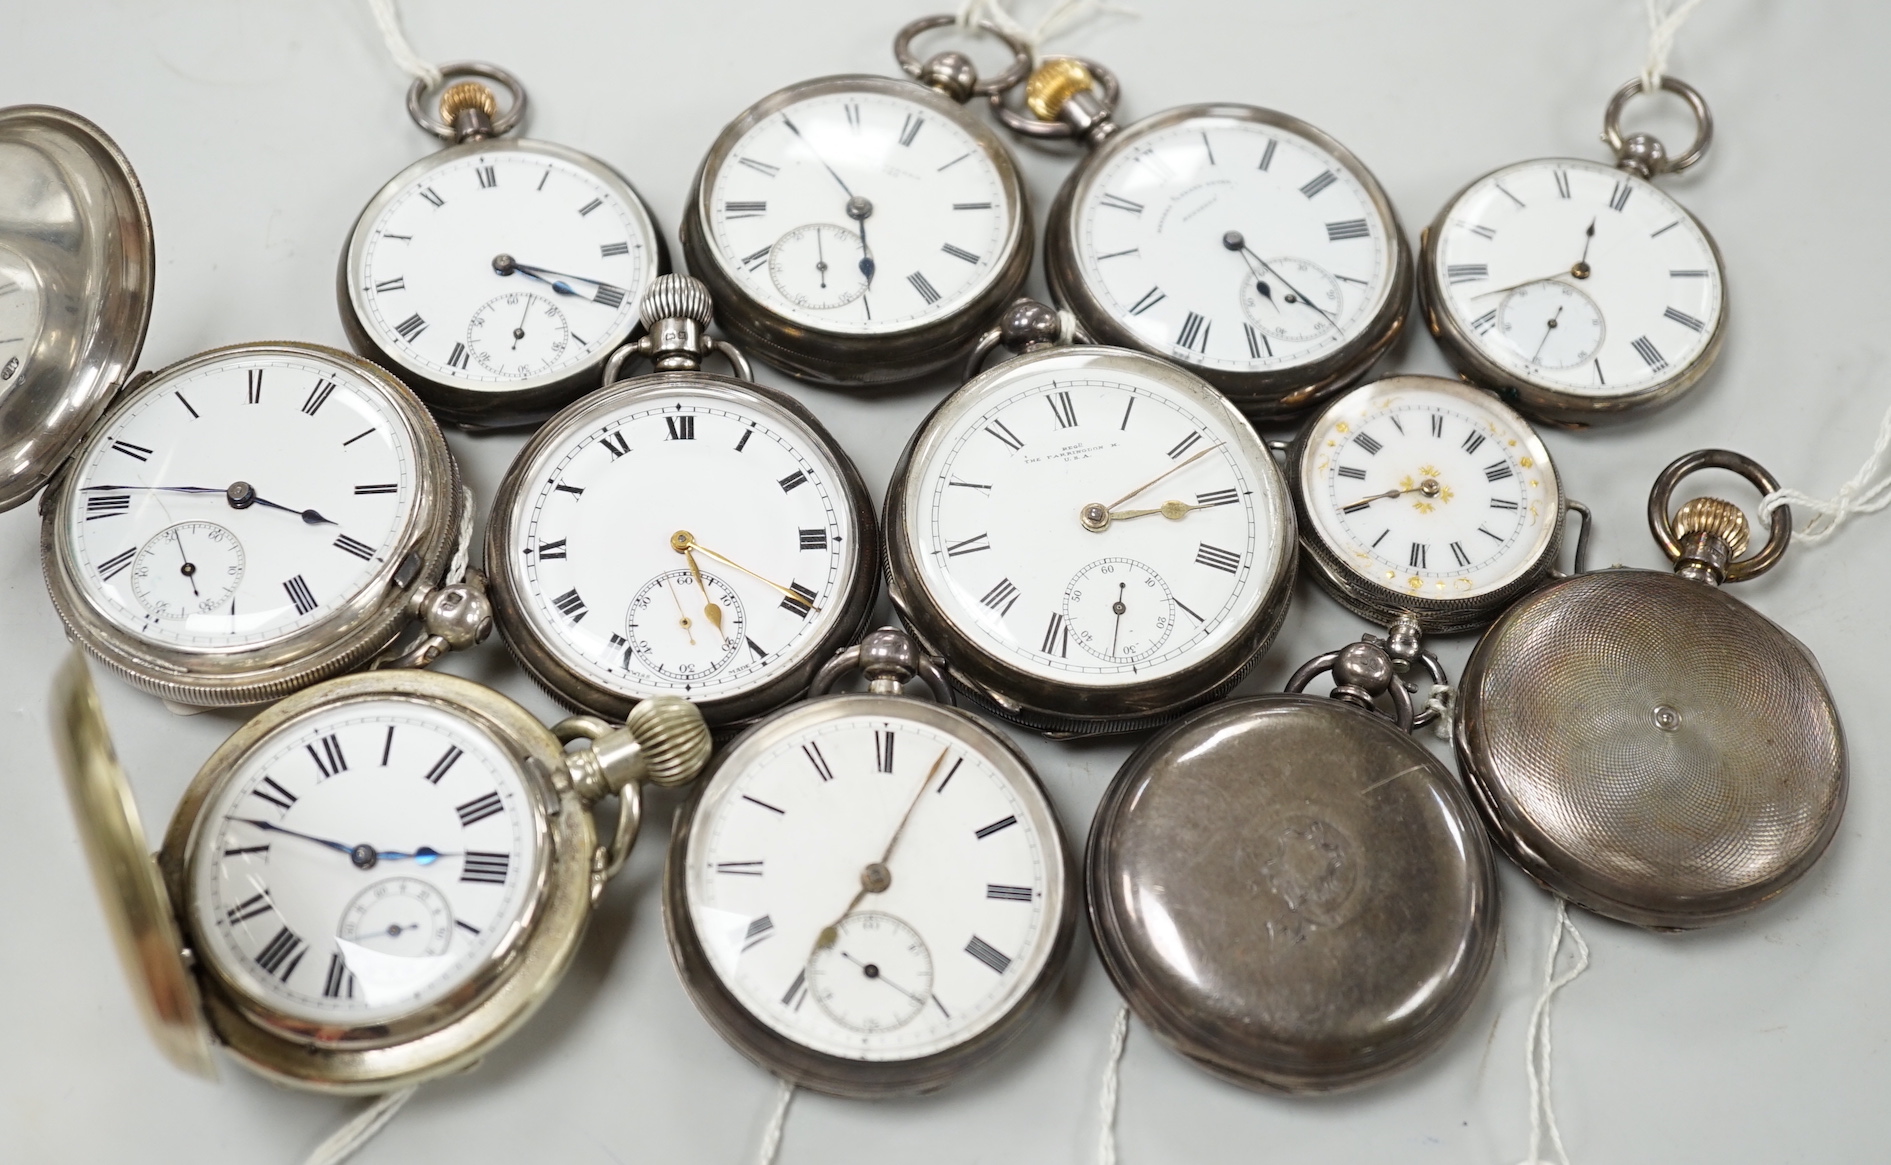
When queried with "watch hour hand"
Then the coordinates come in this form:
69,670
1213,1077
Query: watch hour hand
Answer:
1173,510
683,542
876,877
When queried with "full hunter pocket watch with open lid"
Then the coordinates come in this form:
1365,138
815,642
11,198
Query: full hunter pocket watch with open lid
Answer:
1243,244
372,883
242,523
498,275
863,230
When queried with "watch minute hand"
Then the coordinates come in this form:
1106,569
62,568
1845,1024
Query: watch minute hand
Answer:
272,827
1297,293
1176,468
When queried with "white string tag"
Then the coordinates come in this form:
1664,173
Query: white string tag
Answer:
771,1136
1664,21
349,1138
1536,1044
1112,1073
411,62
1867,492
1064,16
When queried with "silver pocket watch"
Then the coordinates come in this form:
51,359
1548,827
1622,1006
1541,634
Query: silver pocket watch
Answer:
1243,244
1291,891
1092,539
870,896
498,275
1644,744
371,884
862,230
1579,290
681,532
240,524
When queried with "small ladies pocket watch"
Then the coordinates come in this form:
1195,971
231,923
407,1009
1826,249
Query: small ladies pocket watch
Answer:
681,533
1094,540
371,884
1241,243
1424,499
240,524
498,275
1289,889
859,229
1578,290
1644,744
870,894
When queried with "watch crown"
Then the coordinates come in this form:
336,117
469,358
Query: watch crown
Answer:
1053,83
673,737
464,97
1720,519
677,297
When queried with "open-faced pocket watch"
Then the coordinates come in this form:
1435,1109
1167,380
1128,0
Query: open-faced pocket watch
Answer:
498,275
860,229
240,524
681,533
1094,540
1648,746
1289,889
870,894
1577,289
372,883
1241,243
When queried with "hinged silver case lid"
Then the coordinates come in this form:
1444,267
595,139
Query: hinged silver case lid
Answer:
74,219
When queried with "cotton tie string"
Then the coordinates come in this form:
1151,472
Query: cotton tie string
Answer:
1536,1044
1664,21
1867,492
1106,1102
771,1136
1063,16
389,21
349,1138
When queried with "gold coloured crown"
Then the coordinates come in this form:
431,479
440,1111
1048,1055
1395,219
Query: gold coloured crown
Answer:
674,739
1052,84
464,96
1712,516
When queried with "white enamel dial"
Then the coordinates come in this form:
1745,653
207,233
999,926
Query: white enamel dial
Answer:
1424,487
859,212
602,584
964,926
159,532
1230,244
996,494
21,314
364,861
1578,277
512,264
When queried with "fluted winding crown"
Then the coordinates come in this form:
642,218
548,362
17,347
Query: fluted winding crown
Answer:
1053,83
464,96
673,737
1713,516
674,297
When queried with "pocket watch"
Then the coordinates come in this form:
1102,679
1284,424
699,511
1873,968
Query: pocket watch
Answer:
240,524
869,896
374,882
681,533
1648,746
1094,540
1579,290
498,275
859,229
1289,890
1241,243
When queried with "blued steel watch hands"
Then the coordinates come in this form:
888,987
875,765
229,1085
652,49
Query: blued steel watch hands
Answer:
363,855
240,494
1234,241
506,265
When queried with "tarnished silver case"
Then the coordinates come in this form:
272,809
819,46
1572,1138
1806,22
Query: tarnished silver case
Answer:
507,583
367,624
803,1066
1560,734
1381,605
1292,892
838,357
513,403
1045,705
1265,397
1543,402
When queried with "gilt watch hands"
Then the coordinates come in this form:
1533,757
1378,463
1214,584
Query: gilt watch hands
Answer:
711,611
875,878
1430,487
683,542
1580,269
241,496
1096,517
364,855
683,618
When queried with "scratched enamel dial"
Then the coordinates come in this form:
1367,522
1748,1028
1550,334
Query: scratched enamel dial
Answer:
787,223
1231,244
966,922
364,861
604,494
240,499
502,264
1440,492
998,492
1579,278
22,313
